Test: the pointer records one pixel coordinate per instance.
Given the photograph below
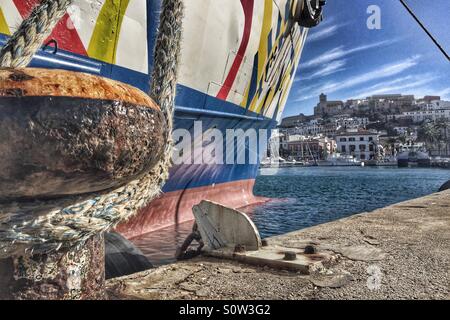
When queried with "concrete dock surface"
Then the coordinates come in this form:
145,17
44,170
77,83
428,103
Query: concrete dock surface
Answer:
398,252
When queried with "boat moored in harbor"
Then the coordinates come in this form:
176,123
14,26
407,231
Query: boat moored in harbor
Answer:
237,67
413,156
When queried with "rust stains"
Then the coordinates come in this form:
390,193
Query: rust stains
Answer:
67,133
62,83
19,76
12,92
58,146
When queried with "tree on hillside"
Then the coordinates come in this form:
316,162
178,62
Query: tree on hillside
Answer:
443,125
429,133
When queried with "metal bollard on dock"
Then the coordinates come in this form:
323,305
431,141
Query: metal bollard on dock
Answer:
79,154
76,273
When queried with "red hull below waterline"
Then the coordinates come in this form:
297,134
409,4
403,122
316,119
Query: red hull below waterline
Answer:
176,207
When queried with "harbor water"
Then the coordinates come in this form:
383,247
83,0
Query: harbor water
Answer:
304,197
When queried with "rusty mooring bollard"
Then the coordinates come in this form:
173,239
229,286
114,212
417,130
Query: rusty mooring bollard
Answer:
80,154
78,175
64,183
76,273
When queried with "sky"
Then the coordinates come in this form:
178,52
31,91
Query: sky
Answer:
345,59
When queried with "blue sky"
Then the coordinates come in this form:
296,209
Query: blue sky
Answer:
344,59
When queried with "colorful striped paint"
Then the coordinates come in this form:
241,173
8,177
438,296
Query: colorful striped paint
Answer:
67,38
245,73
263,45
235,59
3,25
247,5
104,39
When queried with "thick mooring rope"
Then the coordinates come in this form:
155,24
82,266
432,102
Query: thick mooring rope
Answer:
20,48
42,226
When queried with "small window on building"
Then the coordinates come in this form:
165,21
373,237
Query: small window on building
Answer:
371,148
352,148
344,149
363,157
370,138
362,147
351,139
343,140
361,138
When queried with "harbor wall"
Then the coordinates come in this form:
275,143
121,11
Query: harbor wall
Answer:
396,252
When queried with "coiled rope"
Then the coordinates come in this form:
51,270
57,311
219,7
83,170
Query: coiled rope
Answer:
23,44
45,226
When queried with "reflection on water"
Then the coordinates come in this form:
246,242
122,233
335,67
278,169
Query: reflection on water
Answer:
306,197
322,194
160,246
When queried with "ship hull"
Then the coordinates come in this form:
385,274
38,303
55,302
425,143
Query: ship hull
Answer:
230,184
176,207
414,159
238,63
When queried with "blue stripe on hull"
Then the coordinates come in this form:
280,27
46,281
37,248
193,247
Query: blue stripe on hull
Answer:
187,176
73,62
194,176
69,61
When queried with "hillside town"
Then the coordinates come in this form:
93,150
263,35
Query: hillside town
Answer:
378,130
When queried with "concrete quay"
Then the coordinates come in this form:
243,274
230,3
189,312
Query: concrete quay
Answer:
398,252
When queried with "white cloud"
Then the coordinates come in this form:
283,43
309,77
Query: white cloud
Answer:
444,94
389,83
327,21
325,57
323,33
421,91
399,85
326,70
430,91
381,72
340,52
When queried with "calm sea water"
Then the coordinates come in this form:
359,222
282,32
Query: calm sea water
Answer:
305,197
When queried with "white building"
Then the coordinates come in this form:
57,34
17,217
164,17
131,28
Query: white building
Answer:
352,123
388,102
295,137
361,144
401,131
440,104
434,105
312,129
422,115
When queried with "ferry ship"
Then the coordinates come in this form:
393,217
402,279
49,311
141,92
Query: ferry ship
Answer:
238,63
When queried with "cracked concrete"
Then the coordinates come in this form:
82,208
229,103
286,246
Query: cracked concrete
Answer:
398,252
